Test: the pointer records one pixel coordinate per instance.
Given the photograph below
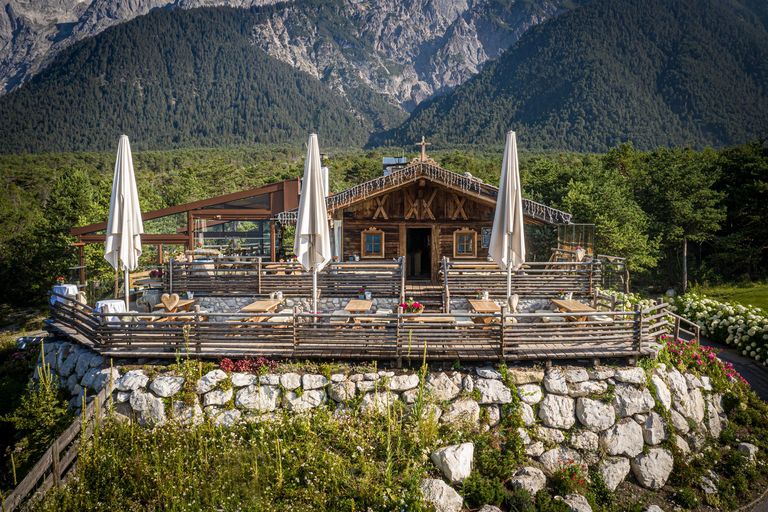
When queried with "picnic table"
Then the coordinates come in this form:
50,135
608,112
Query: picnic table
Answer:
573,306
483,307
358,306
262,306
181,305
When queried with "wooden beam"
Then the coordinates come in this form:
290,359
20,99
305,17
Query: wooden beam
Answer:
427,205
380,202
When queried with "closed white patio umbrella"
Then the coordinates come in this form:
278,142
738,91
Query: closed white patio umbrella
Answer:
124,227
507,245
312,243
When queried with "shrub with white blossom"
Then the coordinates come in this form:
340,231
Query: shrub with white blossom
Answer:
743,327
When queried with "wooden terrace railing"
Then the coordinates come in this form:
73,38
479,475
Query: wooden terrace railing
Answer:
538,279
253,276
395,336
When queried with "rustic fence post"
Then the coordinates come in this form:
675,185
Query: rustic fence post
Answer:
399,338
258,275
197,329
56,463
295,329
402,278
639,324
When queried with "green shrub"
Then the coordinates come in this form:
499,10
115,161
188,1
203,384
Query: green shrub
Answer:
479,490
520,500
686,497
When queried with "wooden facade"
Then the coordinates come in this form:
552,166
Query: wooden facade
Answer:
423,212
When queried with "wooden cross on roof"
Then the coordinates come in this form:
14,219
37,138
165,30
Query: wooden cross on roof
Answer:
423,144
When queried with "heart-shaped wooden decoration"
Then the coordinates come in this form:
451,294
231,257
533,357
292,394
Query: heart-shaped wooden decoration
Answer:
170,301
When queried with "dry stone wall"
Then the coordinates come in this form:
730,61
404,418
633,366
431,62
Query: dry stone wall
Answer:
621,420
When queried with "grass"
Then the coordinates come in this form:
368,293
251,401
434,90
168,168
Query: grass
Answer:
755,294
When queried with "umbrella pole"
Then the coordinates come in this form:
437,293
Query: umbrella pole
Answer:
509,268
127,291
314,290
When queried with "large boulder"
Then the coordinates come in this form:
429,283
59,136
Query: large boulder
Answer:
549,435
377,401
227,418
488,372
693,407
103,377
529,478
441,496
557,411
527,415
624,438
132,380
442,387
613,470
493,391
749,450
594,414
662,392
587,387
210,380
575,374
166,385
679,422
455,461
187,414
629,400
258,398
240,380
290,381
462,410
586,441
652,469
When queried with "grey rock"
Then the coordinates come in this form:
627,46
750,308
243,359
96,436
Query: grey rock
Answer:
713,422
679,422
529,478
187,414
586,440
240,380
306,401
654,508
587,387
652,469
577,503
530,393
520,376
258,398
629,400
557,411
210,380
558,458
624,438
217,397
404,382
575,374
270,379
338,377
534,449
489,508
613,470
554,382
150,409
494,415
377,401
455,461
364,386
493,392
122,396
132,380
227,418
630,375
749,450
594,414
549,435
309,381
462,410
166,385
601,373
443,388
527,415
441,496
655,431
662,392
290,381
342,391
488,372
681,444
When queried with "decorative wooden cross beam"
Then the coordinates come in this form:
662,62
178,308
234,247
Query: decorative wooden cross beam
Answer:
426,205
459,209
380,209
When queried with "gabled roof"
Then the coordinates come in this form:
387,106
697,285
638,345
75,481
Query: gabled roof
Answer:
466,184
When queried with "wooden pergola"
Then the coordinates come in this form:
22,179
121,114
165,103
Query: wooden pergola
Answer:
260,203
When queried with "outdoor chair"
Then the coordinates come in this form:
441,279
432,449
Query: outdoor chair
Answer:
548,319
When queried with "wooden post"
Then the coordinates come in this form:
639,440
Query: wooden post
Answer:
170,276
399,338
639,323
446,291
160,254
198,341
676,330
258,274
502,355
81,262
272,235
295,329
56,469
190,231
402,278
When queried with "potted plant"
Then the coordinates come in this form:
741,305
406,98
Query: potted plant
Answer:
411,306
482,294
361,292
60,279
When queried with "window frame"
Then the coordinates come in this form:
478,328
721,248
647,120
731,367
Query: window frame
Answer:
456,235
371,231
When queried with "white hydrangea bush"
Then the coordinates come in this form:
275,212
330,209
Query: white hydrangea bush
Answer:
743,327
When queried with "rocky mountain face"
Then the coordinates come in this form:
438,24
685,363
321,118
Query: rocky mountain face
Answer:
408,50
32,32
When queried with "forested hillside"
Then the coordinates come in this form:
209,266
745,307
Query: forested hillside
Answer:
181,78
654,72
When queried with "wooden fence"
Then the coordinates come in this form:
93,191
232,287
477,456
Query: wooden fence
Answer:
60,458
252,276
462,279
393,336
